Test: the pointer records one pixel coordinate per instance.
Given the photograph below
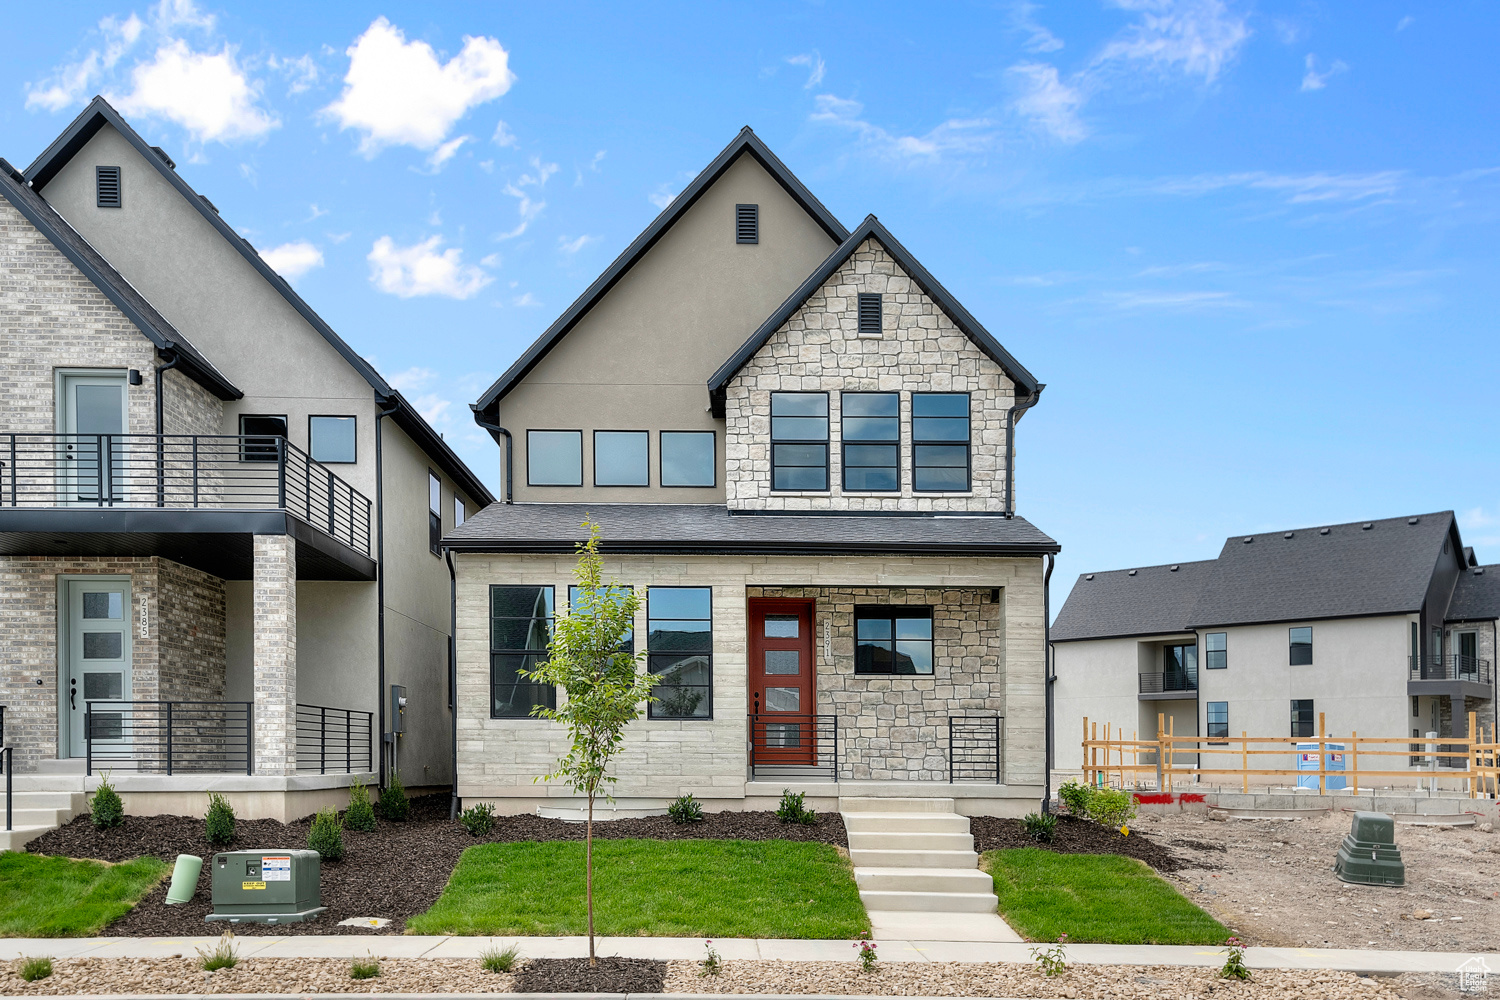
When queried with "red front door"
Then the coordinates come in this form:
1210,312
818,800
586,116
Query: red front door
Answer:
782,713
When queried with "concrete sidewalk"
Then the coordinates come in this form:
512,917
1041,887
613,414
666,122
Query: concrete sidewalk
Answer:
691,949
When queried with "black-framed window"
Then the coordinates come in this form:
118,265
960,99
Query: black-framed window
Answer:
869,314
1216,650
1302,717
332,440
460,511
554,458
434,511
799,440
108,188
747,223
688,458
259,433
871,433
616,594
520,629
893,640
940,442
1218,720
1299,650
679,648
1179,667
622,458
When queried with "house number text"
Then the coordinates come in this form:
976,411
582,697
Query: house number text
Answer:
145,620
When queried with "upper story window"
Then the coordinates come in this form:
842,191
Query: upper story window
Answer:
621,459
869,315
554,458
332,439
892,640
680,644
259,434
460,512
1300,646
688,459
1179,667
940,442
871,434
747,223
107,187
1216,645
799,440
520,629
434,511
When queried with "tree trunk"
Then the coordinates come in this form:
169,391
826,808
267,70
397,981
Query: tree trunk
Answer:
588,868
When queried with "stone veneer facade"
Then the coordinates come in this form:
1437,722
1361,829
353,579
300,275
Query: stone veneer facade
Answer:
275,611
819,349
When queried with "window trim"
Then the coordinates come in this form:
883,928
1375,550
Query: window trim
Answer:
968,445
99,171
1291,646
651,705
594,445
1311,718
859,315
661,477
1220,739
554,430
844,444
890,612
1208,654
336,416
826,442
493,652
245,447
754,211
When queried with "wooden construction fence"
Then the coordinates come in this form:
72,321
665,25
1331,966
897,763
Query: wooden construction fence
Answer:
1113,759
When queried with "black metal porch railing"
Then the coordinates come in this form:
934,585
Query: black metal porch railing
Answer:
974,743
334,740
181,471
1454,667
794,746
169,737
1161,682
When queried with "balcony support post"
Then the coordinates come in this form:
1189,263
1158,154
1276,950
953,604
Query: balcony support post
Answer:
275,607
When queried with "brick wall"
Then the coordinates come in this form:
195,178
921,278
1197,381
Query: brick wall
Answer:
190,624
275,600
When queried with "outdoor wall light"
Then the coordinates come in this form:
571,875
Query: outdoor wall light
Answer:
135,376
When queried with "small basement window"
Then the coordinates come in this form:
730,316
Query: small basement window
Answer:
747,223
107,187
869,315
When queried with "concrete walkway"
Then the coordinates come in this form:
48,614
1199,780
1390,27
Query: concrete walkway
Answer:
691,949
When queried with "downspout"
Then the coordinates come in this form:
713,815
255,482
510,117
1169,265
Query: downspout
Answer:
453,673
161,485
1050,677
1011,417
380,415
496,429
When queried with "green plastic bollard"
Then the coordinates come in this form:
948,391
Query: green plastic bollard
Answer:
184,879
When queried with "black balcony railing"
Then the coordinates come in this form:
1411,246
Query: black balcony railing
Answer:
181,471
974,744
783,745
1161,682
1454,667
334,740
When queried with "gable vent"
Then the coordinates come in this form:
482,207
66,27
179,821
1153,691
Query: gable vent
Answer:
107,181
747,223
869,315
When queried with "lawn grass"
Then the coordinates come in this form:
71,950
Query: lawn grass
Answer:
661,888
1098,898
59,897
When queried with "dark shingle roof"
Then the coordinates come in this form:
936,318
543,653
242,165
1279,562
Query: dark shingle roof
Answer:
710,528
1150,600
1477,596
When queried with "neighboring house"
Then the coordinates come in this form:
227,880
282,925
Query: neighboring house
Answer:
799,448
218,523
1385,628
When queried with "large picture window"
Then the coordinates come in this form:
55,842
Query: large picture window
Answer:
621,458
554,458
799,440
871,432
892,640
1300,646
940,442
687,458
520,628
679,645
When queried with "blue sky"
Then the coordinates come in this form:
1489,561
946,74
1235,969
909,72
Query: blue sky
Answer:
1250,247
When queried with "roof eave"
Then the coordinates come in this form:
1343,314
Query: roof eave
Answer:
550,545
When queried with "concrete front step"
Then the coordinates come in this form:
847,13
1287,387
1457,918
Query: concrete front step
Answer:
863,822
864,858
930,902
923,880
48,818
898,841
48,783
77,802
883,805
18,838
70,765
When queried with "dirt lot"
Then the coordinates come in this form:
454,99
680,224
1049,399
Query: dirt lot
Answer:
1273,883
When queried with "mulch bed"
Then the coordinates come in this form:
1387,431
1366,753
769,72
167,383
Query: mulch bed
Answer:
397,871
573,975
1080,836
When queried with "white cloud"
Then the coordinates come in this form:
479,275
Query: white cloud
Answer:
337,238
205,92
70,84
301,72
423,269
1194,37
504,136
527,206
1317,81
490,260
445,152
293,260
1049,102
598,159
432,406
314,212
573,246
397,92
815,68
525,301
412,379
662,196
171,14
1038,38
1298,188
1174,300
953,135
1404,23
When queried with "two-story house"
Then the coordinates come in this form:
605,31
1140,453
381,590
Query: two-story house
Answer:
800,450
1386,628
219,525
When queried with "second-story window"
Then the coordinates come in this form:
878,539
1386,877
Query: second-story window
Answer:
799,440
332,439
554,458
940,442
620,458
687,458
1179,668
460,512
1216,645
871,431
259,434
1300,652
434,511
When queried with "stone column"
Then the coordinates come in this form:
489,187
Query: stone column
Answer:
275,589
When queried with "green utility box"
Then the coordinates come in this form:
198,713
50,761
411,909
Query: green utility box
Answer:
1369,855
266,887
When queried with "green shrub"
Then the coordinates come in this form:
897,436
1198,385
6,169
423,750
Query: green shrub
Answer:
791,809
327,835
1040,827
1075,795
394,805
222,957
33,969
218,823
361,814
478,819
364,968
685,809
106,811
1112,807
495,960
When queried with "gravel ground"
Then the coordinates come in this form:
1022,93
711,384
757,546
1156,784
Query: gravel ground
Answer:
285,975
375,877
1273,884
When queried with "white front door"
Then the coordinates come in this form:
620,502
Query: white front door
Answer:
92,418
98,660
